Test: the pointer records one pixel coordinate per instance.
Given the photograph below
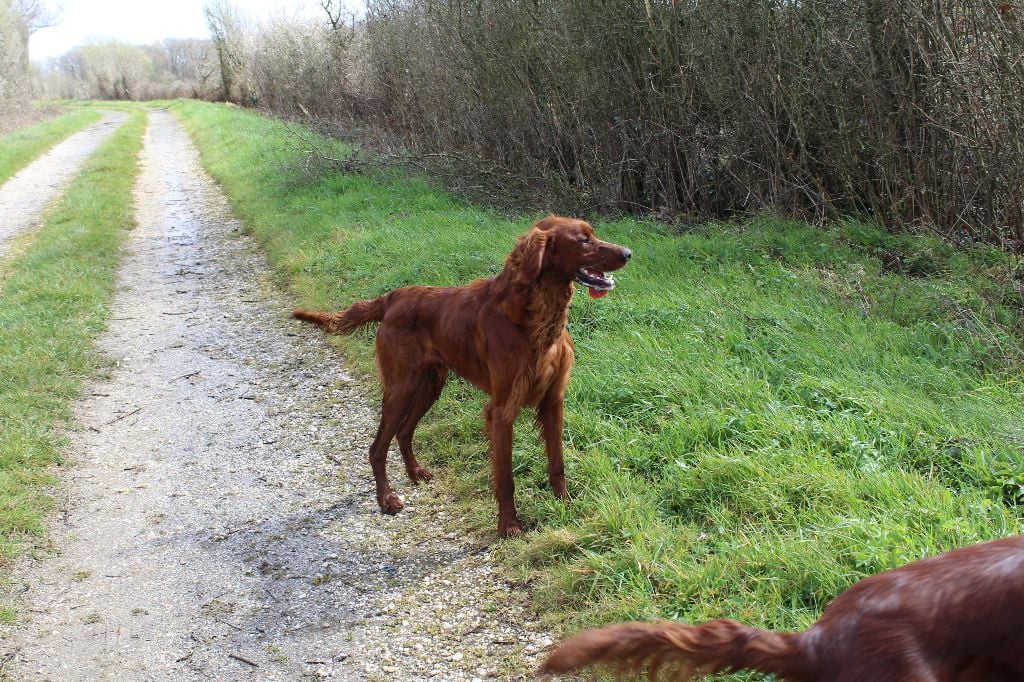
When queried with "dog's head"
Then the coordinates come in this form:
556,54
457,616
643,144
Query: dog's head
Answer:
568,249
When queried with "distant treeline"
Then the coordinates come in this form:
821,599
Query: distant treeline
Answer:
910,111
109,69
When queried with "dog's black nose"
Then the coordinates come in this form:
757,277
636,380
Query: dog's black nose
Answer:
626,255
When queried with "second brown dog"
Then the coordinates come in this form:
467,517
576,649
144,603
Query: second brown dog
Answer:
955,617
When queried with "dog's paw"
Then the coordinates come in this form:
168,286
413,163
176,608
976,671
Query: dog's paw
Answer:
420,474
558,490
390,504
510,529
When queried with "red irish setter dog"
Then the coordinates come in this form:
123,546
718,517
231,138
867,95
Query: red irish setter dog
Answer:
955,617
506,335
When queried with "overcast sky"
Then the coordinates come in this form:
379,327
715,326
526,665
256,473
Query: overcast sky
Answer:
144,21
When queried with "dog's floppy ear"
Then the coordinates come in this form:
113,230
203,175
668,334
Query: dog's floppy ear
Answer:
529,254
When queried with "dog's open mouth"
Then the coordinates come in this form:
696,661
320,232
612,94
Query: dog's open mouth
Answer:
598,282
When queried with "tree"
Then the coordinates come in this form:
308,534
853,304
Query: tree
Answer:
18,20
226,31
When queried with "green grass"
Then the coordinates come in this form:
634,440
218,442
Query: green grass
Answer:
53,302
761,413
21,147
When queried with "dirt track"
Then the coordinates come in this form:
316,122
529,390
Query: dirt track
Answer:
24,197
218,519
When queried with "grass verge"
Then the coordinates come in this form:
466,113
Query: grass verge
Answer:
761,413
21,147
53,302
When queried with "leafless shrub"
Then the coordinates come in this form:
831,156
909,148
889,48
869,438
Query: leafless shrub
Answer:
296,67
905,110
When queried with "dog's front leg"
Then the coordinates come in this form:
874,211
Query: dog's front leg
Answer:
500,420
550,414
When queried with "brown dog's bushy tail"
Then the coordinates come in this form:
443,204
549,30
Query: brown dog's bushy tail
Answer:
682,650
348,320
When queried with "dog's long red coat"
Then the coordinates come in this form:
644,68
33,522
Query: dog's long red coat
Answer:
506,335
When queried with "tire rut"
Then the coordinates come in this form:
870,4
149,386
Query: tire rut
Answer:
218,521
24,197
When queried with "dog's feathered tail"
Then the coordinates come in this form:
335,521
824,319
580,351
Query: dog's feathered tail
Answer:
682,650
348,320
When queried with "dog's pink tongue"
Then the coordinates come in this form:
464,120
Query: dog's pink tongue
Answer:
597,293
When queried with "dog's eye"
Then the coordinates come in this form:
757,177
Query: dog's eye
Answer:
585,240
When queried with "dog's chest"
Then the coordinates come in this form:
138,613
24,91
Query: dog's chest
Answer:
550,370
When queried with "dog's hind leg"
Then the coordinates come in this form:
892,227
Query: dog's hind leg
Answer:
400,390
429,387
389,502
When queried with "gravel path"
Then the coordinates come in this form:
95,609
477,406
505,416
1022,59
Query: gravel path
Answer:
219,519
24,197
